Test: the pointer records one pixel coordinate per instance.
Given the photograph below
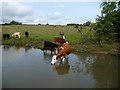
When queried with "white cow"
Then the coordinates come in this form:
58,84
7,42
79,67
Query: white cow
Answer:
16,34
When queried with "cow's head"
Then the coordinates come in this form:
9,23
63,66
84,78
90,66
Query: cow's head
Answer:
54,59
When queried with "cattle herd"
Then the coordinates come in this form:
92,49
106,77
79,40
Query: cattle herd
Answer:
16,34
63,47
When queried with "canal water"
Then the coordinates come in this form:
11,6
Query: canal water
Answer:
31,68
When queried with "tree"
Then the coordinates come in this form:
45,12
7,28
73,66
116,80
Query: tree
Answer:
106,23
47,24
72,24
39,24
87,23
15,23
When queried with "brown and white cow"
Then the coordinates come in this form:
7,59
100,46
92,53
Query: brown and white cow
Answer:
62,53
60,40
62,35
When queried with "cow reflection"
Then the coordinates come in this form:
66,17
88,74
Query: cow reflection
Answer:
27,48
52,52
47,56
62,68
6,47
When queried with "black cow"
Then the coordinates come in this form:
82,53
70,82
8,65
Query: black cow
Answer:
6,36
26,34
49,45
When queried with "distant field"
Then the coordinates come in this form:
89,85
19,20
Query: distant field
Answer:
47,32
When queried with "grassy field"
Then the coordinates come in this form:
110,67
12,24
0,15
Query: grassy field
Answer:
39,33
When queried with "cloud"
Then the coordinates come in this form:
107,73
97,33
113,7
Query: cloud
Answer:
26,14
55,16
57,0
40,20
61,5
16,11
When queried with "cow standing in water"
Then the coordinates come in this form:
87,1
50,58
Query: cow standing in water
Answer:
62,53
26,34
49,45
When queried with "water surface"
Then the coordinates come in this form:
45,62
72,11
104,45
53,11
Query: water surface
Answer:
31,68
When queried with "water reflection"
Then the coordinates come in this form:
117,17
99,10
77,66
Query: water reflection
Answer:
48,52
103,68
16,49
105,71
79,70
27,48
83,63
62,68
47,55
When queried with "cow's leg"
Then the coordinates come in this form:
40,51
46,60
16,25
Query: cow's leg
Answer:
46,51
5,37
8,37
63,58
19,36
54,51
51,52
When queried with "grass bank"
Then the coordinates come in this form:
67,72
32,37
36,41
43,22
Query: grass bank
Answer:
38,33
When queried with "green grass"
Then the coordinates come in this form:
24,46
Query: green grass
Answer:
39,33
113,54
47,32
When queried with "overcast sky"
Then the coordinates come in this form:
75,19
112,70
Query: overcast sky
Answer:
57,13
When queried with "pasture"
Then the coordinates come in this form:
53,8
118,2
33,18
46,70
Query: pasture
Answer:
39,33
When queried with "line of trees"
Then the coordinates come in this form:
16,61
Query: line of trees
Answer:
13,23
84,24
